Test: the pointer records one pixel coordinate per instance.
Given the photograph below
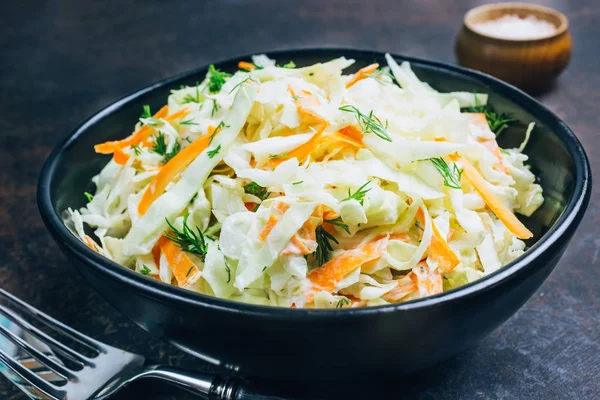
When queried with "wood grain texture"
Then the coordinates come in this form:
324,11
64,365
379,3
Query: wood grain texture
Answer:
63,60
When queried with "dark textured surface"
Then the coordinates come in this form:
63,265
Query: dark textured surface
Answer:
63,60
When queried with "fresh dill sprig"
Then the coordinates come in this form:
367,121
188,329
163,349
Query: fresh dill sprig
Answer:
145,270
343,302
497,122
338,222
359,195
282,155
212,153
291,64
324,240
160,144
256,190
215,107
188,122
297,183
240,84
378,74
217,130
88,196
216,79
451,175
160,147
193,99
228,270
146,113
136,149
188,240
369,123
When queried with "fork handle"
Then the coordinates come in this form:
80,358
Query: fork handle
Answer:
208,386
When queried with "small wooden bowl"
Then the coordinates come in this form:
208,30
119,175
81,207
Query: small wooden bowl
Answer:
531,64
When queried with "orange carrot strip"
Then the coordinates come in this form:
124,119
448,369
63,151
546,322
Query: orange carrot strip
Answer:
302,151
271,222
170,170
162,112
400,236
300,244
246,65
505,215
352,132
333,271
428,282
120,157
181,264
438,247
90,243
341,139
298,247
142,134
249,206
156,254
362,74
442,253
479,120
405,287
302,102
308,230
281,207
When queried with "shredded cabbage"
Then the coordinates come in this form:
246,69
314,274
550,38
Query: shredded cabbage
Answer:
306,187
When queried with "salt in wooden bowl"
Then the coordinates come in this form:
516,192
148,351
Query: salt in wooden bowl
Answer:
529,63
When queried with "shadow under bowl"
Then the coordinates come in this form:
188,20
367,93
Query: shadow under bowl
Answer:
323,345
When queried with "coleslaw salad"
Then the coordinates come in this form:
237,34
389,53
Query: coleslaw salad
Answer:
305,187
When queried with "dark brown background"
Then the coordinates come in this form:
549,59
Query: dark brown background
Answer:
62,60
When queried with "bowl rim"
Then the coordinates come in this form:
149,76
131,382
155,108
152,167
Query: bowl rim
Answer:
151,288
560,29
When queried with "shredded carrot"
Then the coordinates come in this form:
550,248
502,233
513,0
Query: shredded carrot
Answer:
163,112
281,207
90,243
442,253
341,140
156,254
352,132
170,170
330,214
271,222
180,262
300,245
319,211
249,205
302,102
428,282
141,135
246,65
308,231
438,247
400,236
479,120
505,215
297,245
333,271
302,151
120,157
405,287
362,74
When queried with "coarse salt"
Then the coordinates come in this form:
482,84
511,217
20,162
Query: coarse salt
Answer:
513,27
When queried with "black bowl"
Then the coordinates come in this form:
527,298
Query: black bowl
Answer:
299,344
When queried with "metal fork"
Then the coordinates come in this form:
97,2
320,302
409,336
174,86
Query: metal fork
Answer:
47,369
